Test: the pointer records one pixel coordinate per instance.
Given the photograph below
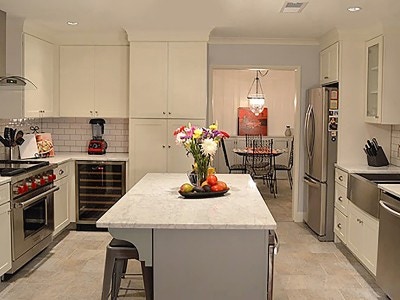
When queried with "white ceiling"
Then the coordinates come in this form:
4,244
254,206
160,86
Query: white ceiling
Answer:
224,18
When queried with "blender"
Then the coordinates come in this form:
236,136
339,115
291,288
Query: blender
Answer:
97,144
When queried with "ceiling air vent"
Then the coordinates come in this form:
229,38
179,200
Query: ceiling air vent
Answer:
293,7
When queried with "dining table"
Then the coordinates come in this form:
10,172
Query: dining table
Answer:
264,154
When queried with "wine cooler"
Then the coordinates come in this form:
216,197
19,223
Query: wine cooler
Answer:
98,186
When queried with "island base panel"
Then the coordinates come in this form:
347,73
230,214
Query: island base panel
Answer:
210,264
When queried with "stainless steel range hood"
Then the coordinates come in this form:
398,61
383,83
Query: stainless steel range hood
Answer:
10,67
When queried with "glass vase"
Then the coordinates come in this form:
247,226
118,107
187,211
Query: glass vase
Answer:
202,170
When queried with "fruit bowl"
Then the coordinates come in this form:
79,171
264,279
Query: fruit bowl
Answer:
203,194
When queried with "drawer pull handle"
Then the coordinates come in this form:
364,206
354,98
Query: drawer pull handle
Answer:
340,198
339,225
360,221
326,77
341,178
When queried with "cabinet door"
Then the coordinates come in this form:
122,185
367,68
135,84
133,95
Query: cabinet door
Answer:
370,247
61,205
329,64
148,80
373,99
111,81
147,148
187,80
39,68
178,161
76,81
5,234
340,225
354,230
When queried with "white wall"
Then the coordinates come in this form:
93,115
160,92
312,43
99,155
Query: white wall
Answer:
230,89
303,57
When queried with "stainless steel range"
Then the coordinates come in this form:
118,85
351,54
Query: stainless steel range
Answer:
32,209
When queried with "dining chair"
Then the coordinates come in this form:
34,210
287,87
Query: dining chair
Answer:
288,167
250,138
234,167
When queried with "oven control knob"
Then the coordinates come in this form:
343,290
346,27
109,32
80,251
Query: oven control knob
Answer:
54,177
33,185
20,190
26,188
43,180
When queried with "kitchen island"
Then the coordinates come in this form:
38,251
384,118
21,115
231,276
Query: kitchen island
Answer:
211,248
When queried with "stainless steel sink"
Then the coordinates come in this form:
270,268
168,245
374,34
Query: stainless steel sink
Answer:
363,190
381,178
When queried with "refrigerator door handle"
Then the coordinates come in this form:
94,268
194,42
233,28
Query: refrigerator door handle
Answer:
310,181
312,119
306,128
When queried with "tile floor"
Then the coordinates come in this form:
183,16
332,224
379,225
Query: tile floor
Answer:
305,268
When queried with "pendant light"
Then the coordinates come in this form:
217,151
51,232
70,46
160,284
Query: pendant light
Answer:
256,99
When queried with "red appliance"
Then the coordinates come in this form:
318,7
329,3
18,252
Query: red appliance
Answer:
97,144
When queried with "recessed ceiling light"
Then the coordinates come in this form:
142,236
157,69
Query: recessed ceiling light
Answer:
72,23
354,8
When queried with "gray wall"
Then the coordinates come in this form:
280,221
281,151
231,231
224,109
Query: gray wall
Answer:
304,57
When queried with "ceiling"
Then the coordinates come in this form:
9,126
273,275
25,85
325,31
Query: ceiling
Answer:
260,19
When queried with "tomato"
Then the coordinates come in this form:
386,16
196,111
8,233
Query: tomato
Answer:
212,180
217,188
222,184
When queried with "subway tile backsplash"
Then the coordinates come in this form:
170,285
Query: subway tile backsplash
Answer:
74,134
395,147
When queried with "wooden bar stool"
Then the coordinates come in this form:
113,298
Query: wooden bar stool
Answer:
117,255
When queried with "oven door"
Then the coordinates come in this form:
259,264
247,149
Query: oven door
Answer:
33,220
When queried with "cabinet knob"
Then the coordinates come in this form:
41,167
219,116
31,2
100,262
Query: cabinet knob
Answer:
339,225
96,112
169,146
326,77
61,172
163,146
340,198
164,113
341,178
169,113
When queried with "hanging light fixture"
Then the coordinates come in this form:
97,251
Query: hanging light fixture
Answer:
256,99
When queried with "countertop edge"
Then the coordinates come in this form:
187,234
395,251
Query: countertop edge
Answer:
186,226
361,168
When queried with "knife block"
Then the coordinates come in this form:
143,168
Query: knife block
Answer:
379,160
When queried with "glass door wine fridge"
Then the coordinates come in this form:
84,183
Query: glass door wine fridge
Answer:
99,186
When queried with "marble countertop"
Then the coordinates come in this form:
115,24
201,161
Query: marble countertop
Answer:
154,202
393,189
4,180
62,157
364,168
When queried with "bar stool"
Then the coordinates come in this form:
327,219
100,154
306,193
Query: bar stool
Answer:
117,255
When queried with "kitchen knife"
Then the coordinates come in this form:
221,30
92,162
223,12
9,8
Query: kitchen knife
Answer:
375,142
372,148
369,151
4,141
365,150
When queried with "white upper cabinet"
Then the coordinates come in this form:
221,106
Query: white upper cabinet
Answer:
148,79
329,64
168,80
382,72
39,67
94,81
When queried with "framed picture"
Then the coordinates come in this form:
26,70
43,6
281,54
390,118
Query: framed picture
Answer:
249,123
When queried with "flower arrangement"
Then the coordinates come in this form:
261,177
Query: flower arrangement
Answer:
201,143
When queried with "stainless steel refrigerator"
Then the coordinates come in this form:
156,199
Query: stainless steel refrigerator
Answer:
320,140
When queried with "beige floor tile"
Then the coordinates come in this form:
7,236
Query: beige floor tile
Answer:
305,268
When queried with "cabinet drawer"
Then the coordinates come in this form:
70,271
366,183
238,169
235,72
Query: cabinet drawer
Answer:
4,193
341,200
340,226
62,171
341,177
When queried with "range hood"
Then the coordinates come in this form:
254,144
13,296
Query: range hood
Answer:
10,67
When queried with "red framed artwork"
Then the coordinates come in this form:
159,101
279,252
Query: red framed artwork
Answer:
249,123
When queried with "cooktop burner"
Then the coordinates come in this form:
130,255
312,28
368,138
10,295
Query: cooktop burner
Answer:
15,167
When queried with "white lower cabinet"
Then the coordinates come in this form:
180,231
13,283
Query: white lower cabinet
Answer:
340,225
61,199
362,236
5,229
